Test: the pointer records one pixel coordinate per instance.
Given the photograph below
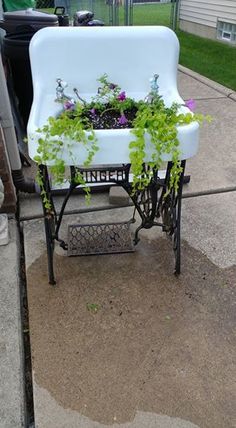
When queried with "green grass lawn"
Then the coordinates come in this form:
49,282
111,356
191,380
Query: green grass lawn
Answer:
152,14
210,58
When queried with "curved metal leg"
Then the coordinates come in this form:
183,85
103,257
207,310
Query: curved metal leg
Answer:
49,220
49,223
136,238
177,237
171,217
177,229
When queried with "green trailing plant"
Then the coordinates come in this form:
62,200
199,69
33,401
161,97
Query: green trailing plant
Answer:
111,108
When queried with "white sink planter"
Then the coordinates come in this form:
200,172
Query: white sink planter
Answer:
114,146
129,56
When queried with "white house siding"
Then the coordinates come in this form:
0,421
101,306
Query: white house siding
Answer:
201,16
206,12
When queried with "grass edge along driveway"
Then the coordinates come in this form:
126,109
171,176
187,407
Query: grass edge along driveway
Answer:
211,58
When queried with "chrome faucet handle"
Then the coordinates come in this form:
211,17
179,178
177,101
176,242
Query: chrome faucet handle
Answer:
153,83
60,95
154,89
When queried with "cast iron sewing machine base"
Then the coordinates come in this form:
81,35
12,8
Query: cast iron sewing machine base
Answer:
155,206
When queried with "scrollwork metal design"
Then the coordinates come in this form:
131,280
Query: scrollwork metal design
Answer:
152,203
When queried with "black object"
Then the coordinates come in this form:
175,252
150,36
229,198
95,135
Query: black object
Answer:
20,27
95,23
63,18
23,20
84,18
22,183
16,53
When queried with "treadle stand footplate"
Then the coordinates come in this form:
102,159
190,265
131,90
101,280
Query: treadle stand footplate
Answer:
101,238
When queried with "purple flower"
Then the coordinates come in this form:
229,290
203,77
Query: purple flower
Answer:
93,111
191,104
121,96
112,86
69,105
122,120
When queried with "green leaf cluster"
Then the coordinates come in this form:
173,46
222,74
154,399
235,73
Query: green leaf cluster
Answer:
152,118
160,123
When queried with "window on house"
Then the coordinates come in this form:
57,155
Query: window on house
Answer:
226,31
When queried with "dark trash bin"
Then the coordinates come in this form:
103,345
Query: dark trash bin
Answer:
15,22
20,27
16,53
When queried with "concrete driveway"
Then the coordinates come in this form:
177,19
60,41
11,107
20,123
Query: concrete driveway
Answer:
159,351
120,341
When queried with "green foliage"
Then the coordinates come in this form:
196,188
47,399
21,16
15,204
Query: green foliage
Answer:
209,58
152,14
151,118
93,307
58,136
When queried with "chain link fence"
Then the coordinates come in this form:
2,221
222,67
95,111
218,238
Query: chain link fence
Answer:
120,12
106,10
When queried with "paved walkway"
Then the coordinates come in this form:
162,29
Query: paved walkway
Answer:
160,351
11,351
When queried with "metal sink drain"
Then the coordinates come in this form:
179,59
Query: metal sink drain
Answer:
102,238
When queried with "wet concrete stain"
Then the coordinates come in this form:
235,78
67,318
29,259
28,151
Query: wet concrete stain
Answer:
52,415
155,343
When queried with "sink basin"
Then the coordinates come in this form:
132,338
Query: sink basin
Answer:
130,56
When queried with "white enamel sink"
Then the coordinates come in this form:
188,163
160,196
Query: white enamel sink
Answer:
129,55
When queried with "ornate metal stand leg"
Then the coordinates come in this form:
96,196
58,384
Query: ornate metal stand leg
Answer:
170,208
49,220
69,192
49,232
176,235
145,202
177,228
